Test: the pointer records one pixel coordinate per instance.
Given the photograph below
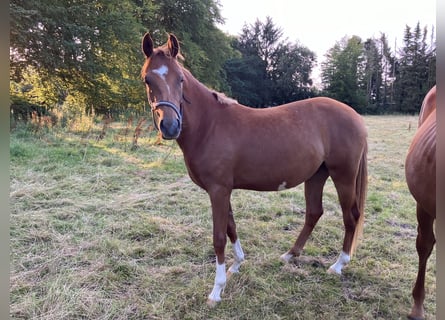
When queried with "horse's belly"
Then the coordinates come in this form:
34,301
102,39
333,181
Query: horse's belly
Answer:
275,177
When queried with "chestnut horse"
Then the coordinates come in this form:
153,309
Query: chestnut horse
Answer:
229,146
420,171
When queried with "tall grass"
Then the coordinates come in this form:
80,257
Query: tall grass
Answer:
102,231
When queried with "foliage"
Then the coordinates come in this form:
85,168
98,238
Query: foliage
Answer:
23,110
205,47
247,79
415,71
269,71
291,74
342,72
90,50
372,79
82,48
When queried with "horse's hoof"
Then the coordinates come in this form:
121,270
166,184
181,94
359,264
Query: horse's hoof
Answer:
414,316
333,271
212,303
410,317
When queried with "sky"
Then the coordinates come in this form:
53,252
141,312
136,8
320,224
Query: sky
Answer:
319,24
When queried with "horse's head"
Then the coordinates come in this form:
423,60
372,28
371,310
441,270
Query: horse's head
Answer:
163,79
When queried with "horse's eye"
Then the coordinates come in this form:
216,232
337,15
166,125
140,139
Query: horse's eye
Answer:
147,80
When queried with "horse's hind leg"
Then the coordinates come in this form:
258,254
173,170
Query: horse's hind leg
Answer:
238,253
345,185
313,191
424,245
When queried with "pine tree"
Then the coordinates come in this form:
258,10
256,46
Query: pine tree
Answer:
414,74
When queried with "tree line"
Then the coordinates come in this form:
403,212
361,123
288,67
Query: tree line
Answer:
79,56
373,78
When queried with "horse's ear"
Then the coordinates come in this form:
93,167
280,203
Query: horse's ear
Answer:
147,45
173,45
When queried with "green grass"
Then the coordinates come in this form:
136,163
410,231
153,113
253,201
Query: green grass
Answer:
102,232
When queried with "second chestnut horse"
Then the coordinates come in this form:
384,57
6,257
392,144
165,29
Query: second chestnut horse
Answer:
420,171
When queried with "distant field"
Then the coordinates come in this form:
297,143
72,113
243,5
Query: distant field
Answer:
100,231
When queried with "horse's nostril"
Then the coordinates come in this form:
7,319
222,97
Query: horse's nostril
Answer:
170,129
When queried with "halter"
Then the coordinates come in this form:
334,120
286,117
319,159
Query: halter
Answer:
171,105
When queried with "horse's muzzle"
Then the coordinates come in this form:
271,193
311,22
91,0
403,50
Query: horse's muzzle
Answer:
170,127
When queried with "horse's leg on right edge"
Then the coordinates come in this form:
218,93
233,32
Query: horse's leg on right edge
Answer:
313,192
238,253
424,244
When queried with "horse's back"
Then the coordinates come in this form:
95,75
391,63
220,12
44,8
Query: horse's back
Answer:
420,166
314,121
428,105
342,129
319,112
331,125
290,142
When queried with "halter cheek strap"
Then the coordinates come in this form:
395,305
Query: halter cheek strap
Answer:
166,104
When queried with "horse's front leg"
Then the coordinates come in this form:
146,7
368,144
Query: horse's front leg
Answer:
220,201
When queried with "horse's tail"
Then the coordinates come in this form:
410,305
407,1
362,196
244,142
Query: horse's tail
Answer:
361,184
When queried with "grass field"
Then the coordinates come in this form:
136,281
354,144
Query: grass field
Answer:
100,231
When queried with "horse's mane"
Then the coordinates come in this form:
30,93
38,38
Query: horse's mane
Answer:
219,97
223,99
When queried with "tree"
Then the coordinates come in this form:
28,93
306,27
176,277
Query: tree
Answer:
342,72
275,71
388,74
205,47
415,72
90,50
372,78
291,73
87,47
248,80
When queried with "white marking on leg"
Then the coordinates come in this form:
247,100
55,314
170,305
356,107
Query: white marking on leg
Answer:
282,186
287,257
161,71
238,256
220,283
342,260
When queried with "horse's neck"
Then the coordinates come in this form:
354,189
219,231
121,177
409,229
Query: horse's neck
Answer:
199,106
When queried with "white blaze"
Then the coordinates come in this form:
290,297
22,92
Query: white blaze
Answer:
161,71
